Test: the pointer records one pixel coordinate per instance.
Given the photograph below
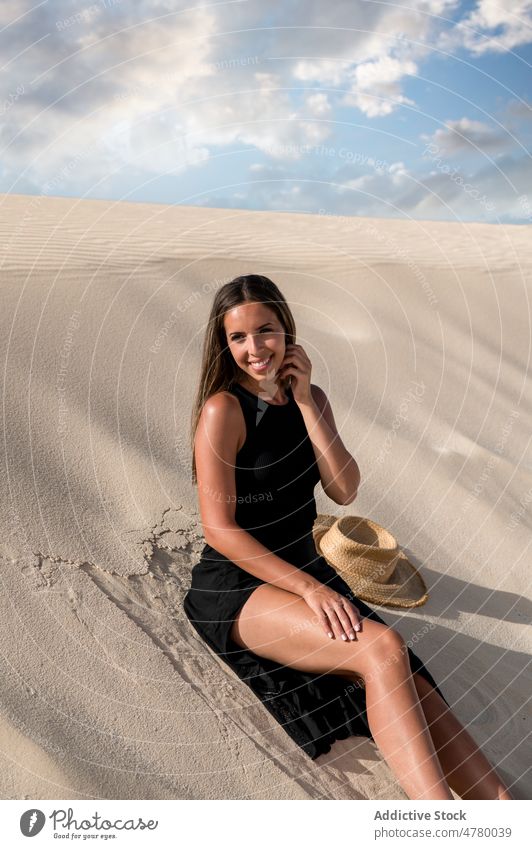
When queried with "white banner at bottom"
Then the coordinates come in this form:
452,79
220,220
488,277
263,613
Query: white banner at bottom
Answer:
263,824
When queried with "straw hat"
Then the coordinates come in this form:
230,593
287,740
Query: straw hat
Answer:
368,558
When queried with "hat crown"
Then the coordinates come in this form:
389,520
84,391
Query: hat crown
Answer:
366,537
369,559
371,549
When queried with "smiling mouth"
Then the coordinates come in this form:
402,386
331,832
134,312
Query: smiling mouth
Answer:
259,365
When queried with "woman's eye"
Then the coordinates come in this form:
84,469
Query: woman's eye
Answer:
240,338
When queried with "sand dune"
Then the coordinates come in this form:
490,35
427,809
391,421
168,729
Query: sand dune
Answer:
419,332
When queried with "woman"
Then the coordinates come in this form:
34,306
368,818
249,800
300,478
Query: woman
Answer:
322,662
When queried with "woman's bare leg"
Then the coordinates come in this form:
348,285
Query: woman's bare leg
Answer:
467,770
279,625
396,717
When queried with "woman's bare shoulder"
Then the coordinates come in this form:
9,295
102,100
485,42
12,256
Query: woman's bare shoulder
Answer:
223,409
221,401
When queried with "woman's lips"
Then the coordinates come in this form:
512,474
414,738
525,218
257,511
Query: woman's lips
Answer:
263,367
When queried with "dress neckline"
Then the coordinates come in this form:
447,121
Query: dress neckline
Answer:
252,394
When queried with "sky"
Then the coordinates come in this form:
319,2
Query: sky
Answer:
416,110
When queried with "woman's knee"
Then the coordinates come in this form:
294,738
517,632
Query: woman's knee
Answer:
386,646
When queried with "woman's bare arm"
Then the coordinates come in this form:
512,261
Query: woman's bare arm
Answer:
339,472
248,553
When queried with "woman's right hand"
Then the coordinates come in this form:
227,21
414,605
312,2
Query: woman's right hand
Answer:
338,616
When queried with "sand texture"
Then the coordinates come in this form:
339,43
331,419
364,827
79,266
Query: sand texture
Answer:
419,332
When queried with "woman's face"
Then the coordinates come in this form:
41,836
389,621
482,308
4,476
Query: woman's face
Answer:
255,334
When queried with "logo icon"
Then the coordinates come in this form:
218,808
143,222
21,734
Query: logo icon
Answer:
31,822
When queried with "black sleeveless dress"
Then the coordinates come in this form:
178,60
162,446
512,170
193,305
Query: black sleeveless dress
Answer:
276,473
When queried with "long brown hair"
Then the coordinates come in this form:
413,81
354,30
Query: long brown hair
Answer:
218,367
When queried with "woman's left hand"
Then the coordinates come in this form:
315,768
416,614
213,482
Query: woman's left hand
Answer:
297,363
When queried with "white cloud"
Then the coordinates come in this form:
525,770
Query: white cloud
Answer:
443,192
520,110
378,48
156,85
376,85
440,192
151,88
326,71
493,26
318,104
466,135
103,85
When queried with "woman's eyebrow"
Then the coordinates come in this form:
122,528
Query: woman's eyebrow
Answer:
258,328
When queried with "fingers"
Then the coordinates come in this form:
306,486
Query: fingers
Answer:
339,618
324,621
294,353
334,628
345,620
354,615
336,624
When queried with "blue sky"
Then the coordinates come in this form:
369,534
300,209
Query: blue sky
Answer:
417,109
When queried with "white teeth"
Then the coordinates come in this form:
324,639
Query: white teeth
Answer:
262,363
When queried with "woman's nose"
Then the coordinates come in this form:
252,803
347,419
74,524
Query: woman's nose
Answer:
255,348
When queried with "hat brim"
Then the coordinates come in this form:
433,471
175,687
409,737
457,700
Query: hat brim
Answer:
404,588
